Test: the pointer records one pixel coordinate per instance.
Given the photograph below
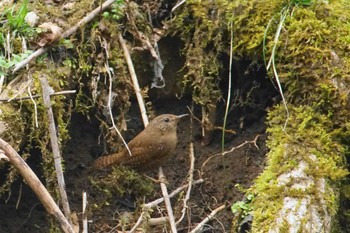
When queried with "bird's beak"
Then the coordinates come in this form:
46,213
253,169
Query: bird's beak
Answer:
181,116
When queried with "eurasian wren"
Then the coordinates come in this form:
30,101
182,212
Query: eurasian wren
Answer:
149,148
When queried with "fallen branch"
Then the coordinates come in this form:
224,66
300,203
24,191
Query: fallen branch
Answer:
55,147
167,200
66,34
35,184
199,227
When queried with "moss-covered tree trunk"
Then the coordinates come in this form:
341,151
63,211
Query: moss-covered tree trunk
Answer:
308,46
298,191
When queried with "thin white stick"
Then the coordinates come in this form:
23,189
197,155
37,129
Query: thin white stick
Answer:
167,201
110,107
199,227
85,222
8,45
139,221
38,96
2,78
66,34
228,100
178,5
35,107
134,80
190,182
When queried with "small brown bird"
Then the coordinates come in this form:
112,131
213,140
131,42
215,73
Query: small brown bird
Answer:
149,148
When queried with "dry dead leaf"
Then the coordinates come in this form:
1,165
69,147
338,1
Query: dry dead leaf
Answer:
51,32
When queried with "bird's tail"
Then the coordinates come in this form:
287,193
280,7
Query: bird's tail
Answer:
108,160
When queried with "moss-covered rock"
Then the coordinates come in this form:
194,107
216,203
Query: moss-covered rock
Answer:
305,163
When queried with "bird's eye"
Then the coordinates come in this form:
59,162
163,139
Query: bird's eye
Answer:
166,120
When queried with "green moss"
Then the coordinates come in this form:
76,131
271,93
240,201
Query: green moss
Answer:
311,56
11,117
204,33
121,182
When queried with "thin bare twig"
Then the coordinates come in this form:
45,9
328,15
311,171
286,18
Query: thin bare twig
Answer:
110,108
19,195
232,149
35,107
210,127
167,201
66,34
55,147
139,221
145,40
172,194
134,80
38,96
199,227
190,182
